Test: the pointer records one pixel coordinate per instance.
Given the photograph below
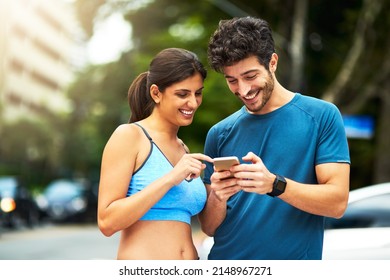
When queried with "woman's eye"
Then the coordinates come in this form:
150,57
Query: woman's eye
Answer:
181,94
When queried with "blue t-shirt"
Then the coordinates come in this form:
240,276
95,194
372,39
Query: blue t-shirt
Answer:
291,141
181,202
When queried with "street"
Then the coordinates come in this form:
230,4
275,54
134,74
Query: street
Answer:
65,242
72,243
58,242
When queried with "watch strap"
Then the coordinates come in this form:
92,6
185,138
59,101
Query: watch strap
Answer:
279,186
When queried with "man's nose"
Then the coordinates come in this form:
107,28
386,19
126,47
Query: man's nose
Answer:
243,88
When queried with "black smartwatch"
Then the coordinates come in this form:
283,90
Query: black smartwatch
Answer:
279,186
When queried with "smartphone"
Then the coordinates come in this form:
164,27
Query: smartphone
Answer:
224,163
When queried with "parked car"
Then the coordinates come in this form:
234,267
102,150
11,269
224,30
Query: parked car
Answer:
367,207
65,200
364,230
17,205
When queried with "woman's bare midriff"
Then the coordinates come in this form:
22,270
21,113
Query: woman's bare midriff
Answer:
157,240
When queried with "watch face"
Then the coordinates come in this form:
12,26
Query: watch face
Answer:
278,187
281,184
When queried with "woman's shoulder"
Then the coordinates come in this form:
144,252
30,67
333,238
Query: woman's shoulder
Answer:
127,129
126,134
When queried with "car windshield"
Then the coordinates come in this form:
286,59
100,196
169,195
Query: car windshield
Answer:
375,202
63,189
368,212
7,187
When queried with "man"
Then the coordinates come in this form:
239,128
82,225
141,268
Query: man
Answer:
293,150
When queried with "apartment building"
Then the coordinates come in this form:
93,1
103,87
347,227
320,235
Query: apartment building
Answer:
39,47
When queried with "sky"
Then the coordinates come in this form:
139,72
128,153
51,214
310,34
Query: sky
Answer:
111,37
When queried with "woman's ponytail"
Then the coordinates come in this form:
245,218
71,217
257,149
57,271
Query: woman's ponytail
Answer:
140,102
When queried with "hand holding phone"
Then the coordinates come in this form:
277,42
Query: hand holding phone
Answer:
224,163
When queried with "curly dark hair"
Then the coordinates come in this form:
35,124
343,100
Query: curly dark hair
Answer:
240,38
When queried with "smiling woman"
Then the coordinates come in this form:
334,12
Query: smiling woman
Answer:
150,185
111,37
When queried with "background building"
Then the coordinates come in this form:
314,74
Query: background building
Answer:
40,44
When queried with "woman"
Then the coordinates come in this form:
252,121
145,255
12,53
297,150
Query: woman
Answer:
149,185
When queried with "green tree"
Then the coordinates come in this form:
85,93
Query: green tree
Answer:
29,150
100,105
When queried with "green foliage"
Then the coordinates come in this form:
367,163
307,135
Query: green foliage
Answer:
29,150
100,105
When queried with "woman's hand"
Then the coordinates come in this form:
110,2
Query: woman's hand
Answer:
189,167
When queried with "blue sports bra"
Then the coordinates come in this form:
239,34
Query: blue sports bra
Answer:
180,202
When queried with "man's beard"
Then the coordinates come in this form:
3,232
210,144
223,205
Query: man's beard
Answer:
266,94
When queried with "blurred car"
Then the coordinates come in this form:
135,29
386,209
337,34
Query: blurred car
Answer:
364,230
17,205
65,200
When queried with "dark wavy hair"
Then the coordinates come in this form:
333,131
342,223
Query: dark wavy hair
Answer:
240,38
168,67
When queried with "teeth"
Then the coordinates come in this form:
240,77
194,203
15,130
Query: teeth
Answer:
187,112
251,96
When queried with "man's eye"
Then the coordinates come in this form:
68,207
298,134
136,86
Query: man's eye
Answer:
251,77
